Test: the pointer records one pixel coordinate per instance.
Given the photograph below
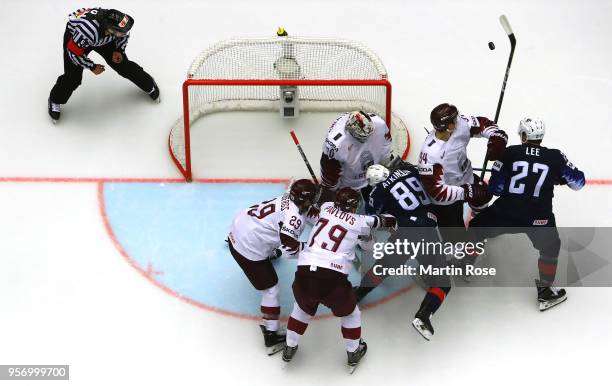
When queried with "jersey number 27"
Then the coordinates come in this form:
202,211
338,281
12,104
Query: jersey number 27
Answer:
523,169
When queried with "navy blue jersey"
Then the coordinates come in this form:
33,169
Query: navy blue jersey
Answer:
525,178
401,195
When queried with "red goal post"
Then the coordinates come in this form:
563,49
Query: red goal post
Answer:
255,69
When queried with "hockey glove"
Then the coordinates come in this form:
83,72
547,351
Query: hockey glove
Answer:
387,221
497,145
476,194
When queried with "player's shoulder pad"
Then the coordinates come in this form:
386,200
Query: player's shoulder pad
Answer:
470,120
286,204
426,169
497,166
288,230
377,120
566,161
335,136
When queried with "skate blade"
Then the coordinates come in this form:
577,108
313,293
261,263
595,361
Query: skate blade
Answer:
420,327
275,349
352,368
54,121
547,305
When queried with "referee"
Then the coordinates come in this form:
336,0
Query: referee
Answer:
105,31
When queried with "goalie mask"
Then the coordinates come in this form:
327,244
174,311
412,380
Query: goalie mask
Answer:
359,125
347,200
533,128
302,194
376,174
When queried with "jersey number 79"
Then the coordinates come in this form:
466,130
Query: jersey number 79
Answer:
335,234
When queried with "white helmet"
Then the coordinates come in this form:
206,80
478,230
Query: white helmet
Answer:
376,174
359,125
533,128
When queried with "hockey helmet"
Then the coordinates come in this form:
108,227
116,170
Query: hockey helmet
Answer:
347,199
533,128
443,115
303,193
376,174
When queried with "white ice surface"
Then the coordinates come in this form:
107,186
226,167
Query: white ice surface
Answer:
67,296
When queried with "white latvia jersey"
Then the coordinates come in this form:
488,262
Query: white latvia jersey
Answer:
334,237
255,232
451,154
355,156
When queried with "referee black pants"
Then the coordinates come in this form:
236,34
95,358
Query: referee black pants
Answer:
70,80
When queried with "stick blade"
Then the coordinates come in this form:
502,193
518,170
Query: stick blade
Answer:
505,24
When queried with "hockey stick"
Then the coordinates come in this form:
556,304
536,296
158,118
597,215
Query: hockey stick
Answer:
506,25
299,147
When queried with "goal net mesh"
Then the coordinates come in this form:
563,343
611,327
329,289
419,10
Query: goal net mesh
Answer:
335,71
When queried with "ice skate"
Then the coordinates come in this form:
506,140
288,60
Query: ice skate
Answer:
274,340
423,326
549,296
289,352
155,94
355,357
54,111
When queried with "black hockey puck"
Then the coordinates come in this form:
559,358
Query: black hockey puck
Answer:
491,46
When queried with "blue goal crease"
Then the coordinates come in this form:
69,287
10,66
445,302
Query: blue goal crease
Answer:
179,230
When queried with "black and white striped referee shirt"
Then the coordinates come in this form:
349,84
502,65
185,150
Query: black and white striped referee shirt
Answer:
87,32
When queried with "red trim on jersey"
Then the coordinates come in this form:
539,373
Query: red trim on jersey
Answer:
72,47
331,170
437,292
289,244
436,187
485,125
351,333
296,326
547,268
270,311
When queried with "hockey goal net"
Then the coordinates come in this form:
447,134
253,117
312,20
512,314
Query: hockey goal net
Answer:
285,74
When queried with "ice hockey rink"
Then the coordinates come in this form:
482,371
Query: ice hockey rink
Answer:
111,264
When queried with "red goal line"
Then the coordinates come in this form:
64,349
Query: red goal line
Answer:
59,180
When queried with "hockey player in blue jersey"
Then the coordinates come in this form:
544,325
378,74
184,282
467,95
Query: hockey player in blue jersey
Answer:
524,180
401,194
